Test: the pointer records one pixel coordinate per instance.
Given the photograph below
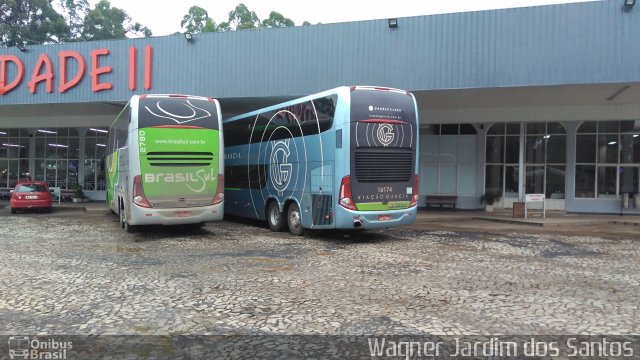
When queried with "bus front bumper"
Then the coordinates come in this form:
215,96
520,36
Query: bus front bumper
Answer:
175,216
347,219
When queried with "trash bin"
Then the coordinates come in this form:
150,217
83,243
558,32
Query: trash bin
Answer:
518,210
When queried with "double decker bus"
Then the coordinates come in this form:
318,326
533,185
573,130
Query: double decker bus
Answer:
164,161
346,158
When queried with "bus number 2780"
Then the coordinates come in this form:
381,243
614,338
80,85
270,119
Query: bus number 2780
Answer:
141,141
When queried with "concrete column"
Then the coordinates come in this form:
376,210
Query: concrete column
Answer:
81,136
32,153
570,167
521,167
481,145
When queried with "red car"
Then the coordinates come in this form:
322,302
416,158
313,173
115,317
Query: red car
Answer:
31,195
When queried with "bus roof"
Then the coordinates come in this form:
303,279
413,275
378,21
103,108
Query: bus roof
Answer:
183,96
337,90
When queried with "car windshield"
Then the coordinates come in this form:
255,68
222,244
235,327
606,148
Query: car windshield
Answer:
31,188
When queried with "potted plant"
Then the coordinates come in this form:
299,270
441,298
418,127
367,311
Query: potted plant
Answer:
490,197
78,194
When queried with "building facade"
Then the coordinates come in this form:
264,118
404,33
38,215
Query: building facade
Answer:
530,100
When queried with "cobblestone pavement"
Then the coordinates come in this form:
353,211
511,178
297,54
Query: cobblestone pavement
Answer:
81,274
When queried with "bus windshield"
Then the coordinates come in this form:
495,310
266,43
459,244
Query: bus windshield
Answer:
178,111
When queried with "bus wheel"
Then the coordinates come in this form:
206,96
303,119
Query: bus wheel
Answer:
121,216
294,220
274,217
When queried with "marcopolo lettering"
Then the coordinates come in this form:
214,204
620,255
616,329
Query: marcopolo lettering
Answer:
12,71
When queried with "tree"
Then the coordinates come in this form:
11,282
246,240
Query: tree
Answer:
242,18
197,20
277,20
24,22
105,22
74,12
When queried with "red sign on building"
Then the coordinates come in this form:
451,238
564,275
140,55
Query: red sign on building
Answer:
44,71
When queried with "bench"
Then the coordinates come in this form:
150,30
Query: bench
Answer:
441,201
62,195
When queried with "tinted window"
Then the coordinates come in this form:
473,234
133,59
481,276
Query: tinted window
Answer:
302,119
384,119
370,104
119,130
245,177
177,111
32,188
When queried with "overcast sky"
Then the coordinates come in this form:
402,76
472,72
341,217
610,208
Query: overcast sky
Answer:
164,16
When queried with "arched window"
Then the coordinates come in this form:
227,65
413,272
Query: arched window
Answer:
607,159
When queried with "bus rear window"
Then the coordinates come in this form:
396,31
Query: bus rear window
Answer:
162,111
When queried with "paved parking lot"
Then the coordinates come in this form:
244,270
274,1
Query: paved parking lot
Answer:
77,273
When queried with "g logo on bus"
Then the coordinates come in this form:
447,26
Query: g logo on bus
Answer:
280,169
385,134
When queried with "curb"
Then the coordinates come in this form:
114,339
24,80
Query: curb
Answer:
632,223
509,221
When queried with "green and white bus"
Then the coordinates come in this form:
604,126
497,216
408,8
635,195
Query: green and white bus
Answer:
164,161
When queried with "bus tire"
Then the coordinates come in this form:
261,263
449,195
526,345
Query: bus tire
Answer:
274,217
13,210
294,220
121,215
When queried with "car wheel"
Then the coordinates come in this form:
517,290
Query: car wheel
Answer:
47,210
274,217
13,210
294,220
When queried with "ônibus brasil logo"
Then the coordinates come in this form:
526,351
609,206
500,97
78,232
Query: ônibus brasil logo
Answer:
196,182
23,347
385,134
279,167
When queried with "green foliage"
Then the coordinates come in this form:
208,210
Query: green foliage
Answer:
277,20
105,22
491,196
197,20
74,11
29,22
78,191
26,22
241,18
